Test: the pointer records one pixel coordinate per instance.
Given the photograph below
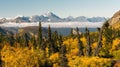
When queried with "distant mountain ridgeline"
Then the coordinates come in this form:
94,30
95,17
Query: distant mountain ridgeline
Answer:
114,22
51,17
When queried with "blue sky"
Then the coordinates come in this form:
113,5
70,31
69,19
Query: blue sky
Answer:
62,8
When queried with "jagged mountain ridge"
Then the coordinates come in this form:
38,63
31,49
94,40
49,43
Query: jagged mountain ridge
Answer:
51,17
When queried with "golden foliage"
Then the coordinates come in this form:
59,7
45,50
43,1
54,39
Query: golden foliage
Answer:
21,57
83,39
116,54
116,44
89,62
54,57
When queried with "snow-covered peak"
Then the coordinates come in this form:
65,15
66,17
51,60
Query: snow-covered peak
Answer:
18,16
70,17
8,18
48,14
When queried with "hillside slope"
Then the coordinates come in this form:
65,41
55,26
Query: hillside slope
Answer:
115,20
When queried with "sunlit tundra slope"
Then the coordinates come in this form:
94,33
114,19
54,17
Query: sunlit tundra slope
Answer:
115,20
89,49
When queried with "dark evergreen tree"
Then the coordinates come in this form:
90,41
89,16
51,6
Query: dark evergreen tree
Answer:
40,35
1,40
17,38
51,41
55,39
101,31
118,32
49,33
44,44
63,58
80,44
34,41
108,34
71,32
11,39
99,44
88,46
1,62
1,37
22,41
60,42
26,40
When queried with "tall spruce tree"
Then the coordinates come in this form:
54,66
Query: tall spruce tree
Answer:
1,37
55,39
88,46
1,62
11,39
55,36
22,41
34,41
63,57
51,42
108,34
101,31
1,40
26,40
71,32
80,44
40,35
99,44
49,33
60,41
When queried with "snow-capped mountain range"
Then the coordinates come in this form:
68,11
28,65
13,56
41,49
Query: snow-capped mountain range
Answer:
51,17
